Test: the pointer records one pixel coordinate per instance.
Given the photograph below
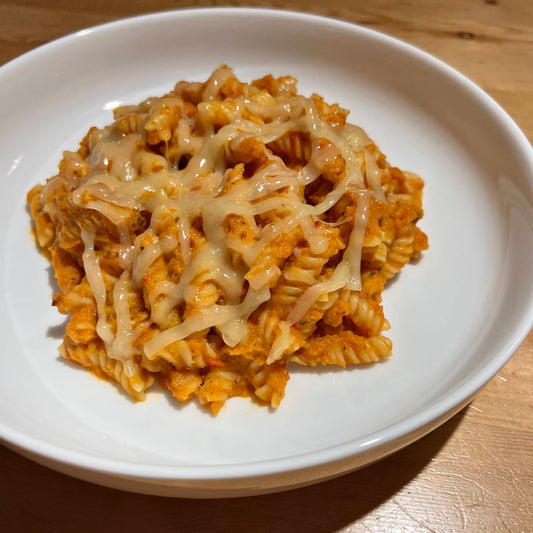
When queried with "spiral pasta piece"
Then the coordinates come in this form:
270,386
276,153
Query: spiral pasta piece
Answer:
209,238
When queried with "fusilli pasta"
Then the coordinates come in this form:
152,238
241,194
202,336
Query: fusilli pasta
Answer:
208,238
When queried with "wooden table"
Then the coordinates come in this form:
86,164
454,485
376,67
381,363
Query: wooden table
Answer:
474,473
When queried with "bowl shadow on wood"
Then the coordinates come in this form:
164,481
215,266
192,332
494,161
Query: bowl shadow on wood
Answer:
74,505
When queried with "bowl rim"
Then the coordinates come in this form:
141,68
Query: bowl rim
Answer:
407,426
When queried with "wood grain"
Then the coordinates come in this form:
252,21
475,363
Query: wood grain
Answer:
475,472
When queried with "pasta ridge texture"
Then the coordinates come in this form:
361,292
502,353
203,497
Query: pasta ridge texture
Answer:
208,238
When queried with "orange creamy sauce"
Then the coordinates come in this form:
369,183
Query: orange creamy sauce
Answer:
210,237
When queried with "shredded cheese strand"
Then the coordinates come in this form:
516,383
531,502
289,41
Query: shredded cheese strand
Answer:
196,191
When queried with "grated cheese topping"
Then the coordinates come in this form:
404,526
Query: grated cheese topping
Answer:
125,179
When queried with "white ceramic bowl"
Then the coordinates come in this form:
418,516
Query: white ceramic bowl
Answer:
457,315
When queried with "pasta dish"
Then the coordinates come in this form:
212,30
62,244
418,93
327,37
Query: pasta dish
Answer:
209,238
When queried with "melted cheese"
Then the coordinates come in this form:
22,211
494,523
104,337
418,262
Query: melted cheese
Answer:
122,344
282,343
126,180
373,176
348,271
91,264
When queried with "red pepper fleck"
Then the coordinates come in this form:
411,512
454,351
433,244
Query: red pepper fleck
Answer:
214,362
